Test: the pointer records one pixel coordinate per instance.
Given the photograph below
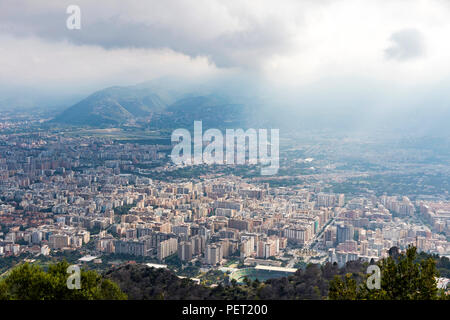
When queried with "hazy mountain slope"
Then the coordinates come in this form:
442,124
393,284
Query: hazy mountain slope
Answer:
168,107
214,110
112,106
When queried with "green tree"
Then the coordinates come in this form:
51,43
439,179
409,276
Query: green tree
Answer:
30,282
402,278
343,290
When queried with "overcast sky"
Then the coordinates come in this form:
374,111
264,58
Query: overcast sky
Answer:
396,45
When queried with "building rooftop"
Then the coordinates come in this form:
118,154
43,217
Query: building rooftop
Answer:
272,268
87,258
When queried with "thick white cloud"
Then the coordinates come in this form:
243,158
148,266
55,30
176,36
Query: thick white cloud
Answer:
401,44
34,62
350,39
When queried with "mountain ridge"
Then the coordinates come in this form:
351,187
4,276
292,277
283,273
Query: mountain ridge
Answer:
146,102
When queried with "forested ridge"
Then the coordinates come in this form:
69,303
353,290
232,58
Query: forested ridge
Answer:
404,275
314,282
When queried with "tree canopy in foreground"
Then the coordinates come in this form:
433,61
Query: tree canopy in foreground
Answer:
31,282
403,277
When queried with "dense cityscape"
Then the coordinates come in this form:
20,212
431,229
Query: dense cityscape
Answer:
232,158
63,193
